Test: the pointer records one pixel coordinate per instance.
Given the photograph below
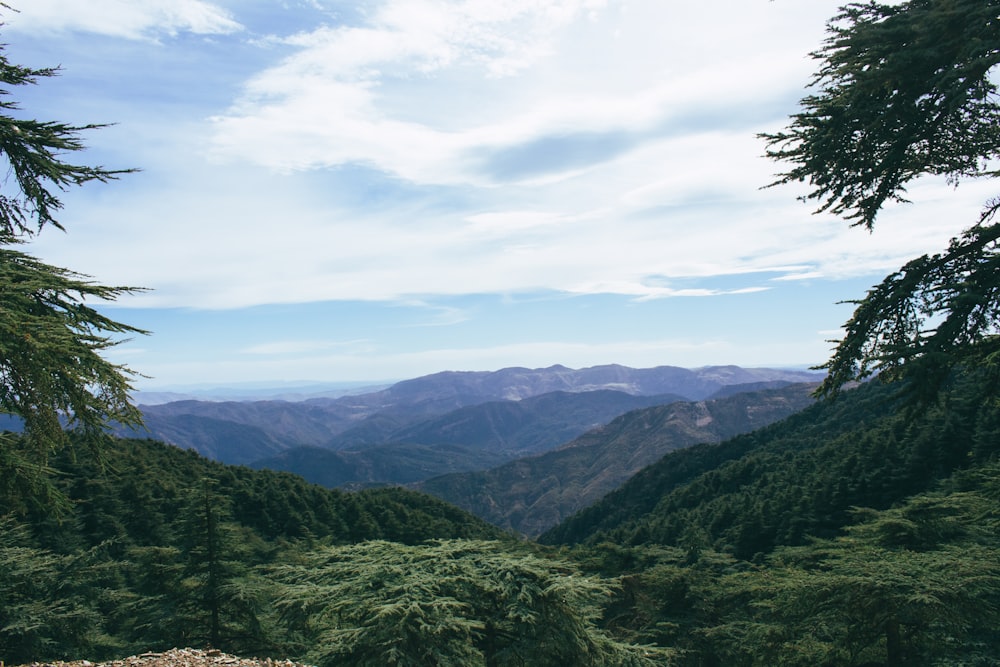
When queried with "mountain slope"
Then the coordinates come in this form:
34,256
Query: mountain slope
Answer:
473,438
372,418
281,423
158,547
528,426
533,494
380,465
138,494
800,477
218,439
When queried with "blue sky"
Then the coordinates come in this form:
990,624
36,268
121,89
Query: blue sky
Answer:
375,190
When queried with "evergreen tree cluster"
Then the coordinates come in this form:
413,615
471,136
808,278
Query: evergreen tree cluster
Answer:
452,602
917,584
799,478
161,547
856,532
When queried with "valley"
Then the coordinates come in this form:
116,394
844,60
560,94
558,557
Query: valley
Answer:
522,448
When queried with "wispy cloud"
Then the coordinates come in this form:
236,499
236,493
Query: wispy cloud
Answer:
440,316
486,93
404,163
128,19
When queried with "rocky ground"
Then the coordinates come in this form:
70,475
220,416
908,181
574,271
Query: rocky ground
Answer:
178,657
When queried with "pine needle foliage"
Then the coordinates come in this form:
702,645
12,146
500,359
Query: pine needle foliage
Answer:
52,373
50,604
935,312
453,602
909,585
906,90
51,340
34,150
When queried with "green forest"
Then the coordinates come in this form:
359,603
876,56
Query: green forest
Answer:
864,530
860,531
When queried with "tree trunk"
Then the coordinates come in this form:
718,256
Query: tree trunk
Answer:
893,644
213,571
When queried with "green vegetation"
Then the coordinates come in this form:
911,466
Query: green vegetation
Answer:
862,531
914,585
162,547
797,478
169,548
51,368
907,90
457,602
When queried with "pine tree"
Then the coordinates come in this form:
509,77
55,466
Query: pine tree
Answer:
457,602
908,585
907,90
52,373
219,597
49,603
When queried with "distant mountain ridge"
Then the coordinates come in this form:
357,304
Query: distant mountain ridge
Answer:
519,383
245,431
516,428
533,494
470,438
255,391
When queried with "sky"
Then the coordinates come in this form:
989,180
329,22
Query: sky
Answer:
375,190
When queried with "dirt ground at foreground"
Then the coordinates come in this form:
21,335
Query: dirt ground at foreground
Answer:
178,657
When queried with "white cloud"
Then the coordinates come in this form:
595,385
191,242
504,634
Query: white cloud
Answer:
475,92
440,316
606,161
210,243
407,154
129,19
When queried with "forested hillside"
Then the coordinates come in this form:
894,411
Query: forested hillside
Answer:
798,478
137,496
534,493
156,548
914,584
166,548
163,548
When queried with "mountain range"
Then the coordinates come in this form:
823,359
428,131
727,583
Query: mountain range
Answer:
806,476
533,494
522,448
382,450
417,410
